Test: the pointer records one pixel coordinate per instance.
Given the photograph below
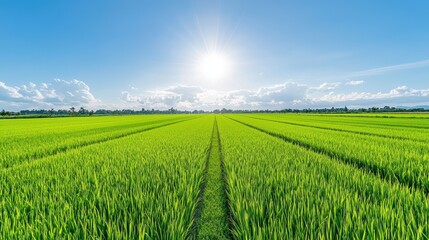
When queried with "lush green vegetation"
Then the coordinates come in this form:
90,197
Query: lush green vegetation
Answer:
144,185
281,190
213,222
245,176
399,160
29,139
360,125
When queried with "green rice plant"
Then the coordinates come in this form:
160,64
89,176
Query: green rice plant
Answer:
397,115
259,176
213,220
279,190
384,120
143,186
353,125
401,161
29,139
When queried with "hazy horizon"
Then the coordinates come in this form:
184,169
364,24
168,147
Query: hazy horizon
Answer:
213,54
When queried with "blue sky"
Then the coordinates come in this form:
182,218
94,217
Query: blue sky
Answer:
279,54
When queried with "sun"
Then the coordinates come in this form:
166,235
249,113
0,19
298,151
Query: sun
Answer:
214,65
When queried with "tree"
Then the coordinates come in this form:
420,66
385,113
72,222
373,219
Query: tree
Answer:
3,113
172,110
82,110
72,110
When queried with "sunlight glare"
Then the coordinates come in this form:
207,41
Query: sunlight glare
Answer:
214,65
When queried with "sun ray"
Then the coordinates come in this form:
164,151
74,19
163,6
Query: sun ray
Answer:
214,65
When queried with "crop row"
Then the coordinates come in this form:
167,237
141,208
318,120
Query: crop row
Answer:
141,186
364,120
34,127
212,222
403,115
381,131
279,190
42,142
391,159
279,181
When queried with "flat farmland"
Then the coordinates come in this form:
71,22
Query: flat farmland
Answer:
215,176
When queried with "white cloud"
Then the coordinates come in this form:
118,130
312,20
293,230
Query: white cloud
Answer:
286,95
355,82
194,97
64,94
285,92
327,86
401,95
132,87
398,92
127,97
58,93
381,70
8,93
80,92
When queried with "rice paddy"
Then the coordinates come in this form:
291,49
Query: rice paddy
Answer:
224,176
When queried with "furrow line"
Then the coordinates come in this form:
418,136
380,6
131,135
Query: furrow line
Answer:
211,217
341,130
225,188
89,143
354,162
193,232
376,124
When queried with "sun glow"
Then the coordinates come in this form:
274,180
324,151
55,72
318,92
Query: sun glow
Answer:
214,66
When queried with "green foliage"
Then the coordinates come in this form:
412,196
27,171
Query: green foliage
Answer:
405,129
405,161
213,222
28,139
141,186
279,190
258,176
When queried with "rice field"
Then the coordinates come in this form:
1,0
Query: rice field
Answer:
223,176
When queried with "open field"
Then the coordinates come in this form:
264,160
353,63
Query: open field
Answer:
248,176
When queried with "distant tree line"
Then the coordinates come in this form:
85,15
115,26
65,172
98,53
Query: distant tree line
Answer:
85,112
326,110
